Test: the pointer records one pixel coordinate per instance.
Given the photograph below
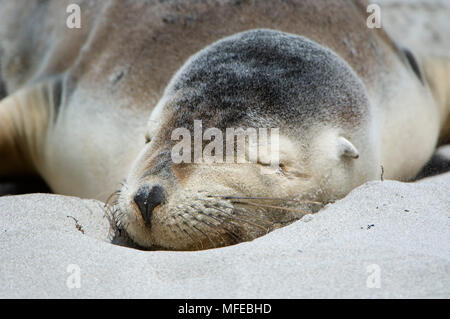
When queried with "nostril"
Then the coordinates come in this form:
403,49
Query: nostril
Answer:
147,198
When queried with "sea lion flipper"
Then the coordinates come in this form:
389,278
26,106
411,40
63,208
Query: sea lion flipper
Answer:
23,126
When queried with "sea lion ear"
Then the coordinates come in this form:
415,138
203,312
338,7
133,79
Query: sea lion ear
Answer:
347,149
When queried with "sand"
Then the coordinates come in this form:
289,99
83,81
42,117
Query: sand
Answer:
385,239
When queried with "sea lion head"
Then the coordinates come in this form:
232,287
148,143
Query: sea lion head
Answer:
259,79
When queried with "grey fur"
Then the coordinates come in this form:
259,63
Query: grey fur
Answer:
267,78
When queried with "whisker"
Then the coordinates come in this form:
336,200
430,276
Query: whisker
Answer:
114,196
245,213
201,230
110,213
269,198
189,235
275,207
187,224
214,228
206,235
236,237
243,220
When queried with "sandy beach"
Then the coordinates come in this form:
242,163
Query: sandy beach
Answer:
385,239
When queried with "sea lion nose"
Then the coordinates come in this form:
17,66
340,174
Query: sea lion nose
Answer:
147,198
